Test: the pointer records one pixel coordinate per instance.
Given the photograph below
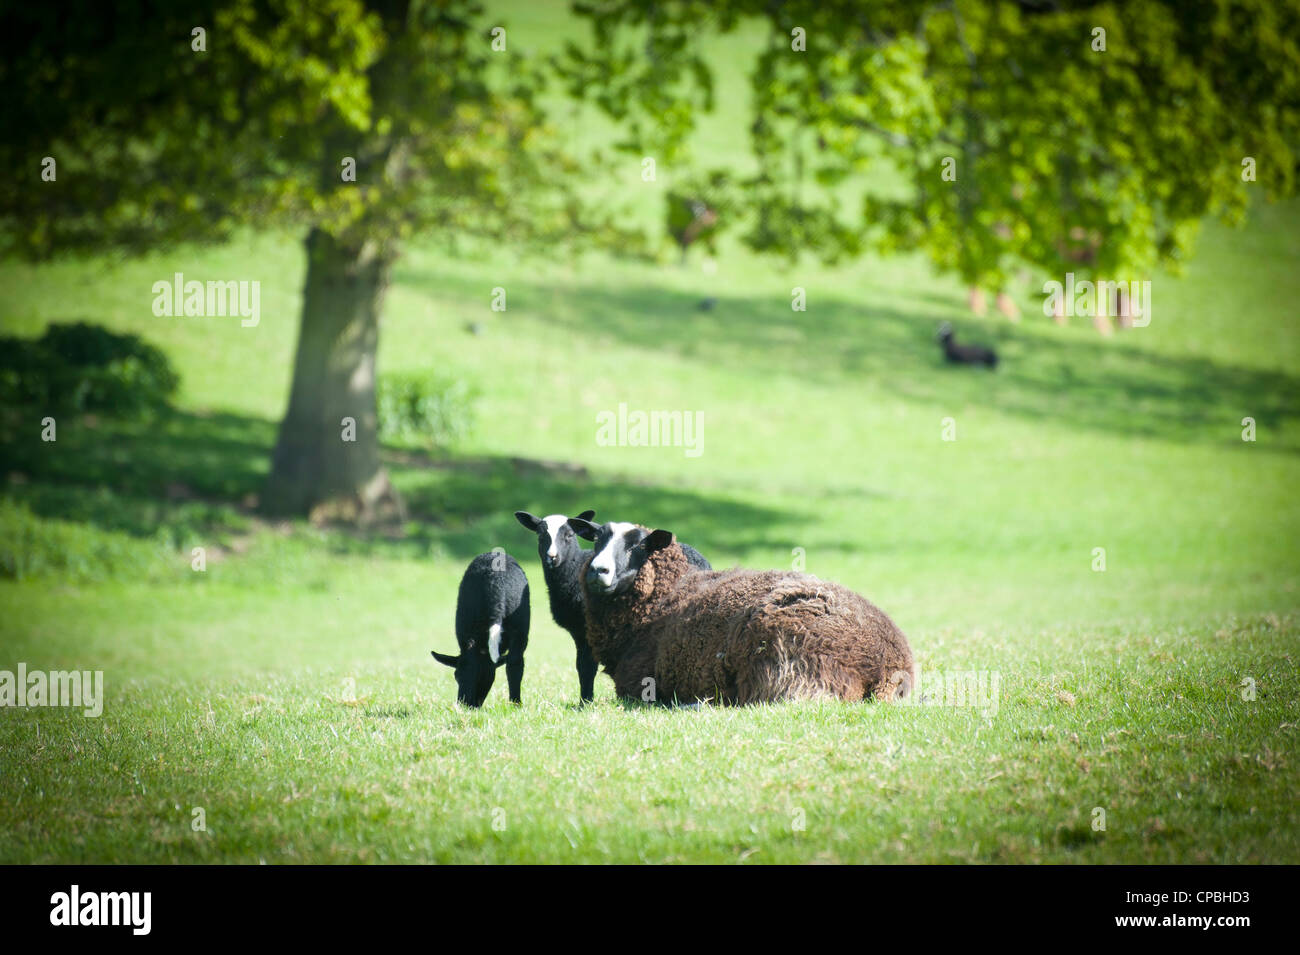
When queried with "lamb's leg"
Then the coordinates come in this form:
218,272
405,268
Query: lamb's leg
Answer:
515,675
587,667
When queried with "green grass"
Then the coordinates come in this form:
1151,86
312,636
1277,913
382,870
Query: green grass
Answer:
1119,690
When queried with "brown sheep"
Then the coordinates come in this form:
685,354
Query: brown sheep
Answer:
667,632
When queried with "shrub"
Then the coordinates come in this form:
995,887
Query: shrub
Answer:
83,367
424,409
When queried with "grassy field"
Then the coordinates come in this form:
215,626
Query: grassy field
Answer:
288,692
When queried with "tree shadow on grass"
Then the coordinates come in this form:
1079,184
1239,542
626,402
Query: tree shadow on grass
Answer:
1058,379
180,476
172,471
465,506
1052,376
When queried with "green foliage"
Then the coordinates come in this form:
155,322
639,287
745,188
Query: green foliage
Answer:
1052,142
157,142
642,68
83,367
424,409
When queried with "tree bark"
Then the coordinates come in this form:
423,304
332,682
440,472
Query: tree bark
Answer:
326,459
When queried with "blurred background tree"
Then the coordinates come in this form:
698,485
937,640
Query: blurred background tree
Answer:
171,124
1052,135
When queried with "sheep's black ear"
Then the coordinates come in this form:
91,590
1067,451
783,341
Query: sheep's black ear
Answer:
446,659
528,520
584,528
658,540
586,515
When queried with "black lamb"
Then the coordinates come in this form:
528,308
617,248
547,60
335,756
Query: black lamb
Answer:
965,354
557,545
492,613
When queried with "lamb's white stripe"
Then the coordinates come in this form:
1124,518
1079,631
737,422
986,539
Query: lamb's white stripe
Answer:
604,562
494,642
553,524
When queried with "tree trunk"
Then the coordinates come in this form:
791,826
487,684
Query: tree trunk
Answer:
326,460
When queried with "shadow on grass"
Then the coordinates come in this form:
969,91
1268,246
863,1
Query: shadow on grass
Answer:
179,476
1072,380
170,475
462,503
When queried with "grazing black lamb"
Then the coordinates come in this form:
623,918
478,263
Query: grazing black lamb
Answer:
964,354
492,612
668,633
562,560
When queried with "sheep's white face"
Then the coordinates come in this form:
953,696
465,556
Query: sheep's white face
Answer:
621,551
556,542
553,539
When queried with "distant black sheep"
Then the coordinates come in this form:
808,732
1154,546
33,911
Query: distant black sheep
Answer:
964,354
492,612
